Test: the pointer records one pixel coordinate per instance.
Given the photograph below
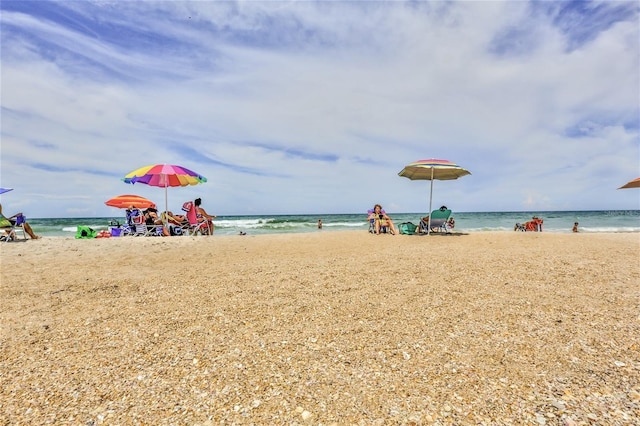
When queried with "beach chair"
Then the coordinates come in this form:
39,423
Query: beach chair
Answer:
153,231
153,227
372,223
128,228
174,224
195,226
136,225
438,223
10,228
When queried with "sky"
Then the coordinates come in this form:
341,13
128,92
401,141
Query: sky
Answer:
314,107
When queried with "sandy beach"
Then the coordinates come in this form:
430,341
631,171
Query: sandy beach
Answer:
322,328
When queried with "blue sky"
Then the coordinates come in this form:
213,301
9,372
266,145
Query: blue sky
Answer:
314,107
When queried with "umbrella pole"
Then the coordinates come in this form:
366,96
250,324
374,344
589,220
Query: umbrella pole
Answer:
430,201
166,204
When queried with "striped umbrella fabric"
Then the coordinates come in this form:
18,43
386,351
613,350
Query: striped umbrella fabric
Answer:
164,176
433,169
635,183
127,200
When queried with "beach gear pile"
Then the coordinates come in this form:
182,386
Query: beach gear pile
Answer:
534,225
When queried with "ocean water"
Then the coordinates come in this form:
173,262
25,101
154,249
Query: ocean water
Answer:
554,221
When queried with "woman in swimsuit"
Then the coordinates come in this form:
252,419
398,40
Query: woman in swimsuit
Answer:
381,220
203,215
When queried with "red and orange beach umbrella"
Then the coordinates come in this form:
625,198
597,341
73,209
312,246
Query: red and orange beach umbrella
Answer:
635,183
127,200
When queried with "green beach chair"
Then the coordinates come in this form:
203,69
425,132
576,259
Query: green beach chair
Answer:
439,220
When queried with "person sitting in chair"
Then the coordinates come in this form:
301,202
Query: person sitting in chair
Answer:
423,225
451,223
381,219
174,223
27,228
151,219
203,215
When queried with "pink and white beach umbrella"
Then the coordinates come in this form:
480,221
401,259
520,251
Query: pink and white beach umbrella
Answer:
433,169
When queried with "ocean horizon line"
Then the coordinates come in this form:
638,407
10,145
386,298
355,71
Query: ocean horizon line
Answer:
633,212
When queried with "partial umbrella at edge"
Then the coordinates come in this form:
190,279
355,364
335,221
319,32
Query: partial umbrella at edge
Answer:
635,183
128,200
164,176
433,169
3,190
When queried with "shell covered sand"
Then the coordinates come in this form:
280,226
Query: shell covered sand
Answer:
324,328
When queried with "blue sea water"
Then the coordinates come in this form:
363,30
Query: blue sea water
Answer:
554,221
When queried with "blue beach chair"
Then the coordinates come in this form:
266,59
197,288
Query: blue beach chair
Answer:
372,223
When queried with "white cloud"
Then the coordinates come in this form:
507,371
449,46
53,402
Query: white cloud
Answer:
290,107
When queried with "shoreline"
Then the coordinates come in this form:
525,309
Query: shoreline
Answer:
560,222
337,327
347,231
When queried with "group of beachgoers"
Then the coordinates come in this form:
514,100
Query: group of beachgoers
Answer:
534,225
196,220
382,222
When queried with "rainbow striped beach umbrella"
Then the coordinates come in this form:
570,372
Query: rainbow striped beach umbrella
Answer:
164,176
433,169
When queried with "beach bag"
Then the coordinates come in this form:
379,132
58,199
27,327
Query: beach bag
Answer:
187,206
407,228
85,232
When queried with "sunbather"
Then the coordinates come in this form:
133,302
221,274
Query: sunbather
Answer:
151,219
176,219
175,223
203,215
423,225
25,225
381,219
